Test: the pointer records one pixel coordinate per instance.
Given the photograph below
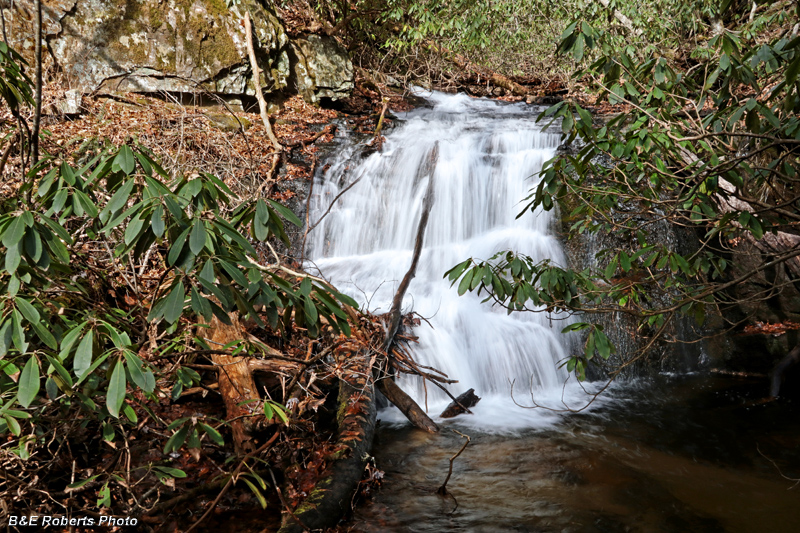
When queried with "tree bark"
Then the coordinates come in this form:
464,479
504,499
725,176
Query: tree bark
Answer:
236,384
406,404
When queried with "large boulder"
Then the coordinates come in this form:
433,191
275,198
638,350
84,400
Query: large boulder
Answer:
177,45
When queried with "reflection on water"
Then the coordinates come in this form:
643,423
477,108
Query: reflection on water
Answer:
692,453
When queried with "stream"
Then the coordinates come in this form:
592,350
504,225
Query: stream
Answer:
672,453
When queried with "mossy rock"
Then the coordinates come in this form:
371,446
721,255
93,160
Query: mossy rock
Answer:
228,122
167,45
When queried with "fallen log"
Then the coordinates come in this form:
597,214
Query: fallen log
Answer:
332,495
461,404
406,404
463,63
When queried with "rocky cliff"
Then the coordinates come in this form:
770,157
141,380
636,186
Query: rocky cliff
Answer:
179,45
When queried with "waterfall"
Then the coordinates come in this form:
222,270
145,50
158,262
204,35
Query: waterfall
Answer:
489,156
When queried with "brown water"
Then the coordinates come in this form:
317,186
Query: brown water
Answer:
692,453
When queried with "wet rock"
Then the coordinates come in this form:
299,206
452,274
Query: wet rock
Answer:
461,404
228,122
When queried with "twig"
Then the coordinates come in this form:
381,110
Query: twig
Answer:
443,489
784,476
330,206
304,365
283,500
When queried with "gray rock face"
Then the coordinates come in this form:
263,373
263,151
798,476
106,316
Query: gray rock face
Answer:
178,45
322,68
71,105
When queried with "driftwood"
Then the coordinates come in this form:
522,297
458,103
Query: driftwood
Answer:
332,495
406,404
461,404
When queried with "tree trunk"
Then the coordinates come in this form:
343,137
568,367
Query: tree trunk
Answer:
236,384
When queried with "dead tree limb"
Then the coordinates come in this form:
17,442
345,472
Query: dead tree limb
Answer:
461,404
406,404
394,314
330,206
262,104
386,385
443,489
377,140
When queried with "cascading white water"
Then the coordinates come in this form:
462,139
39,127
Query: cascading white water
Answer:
489,155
